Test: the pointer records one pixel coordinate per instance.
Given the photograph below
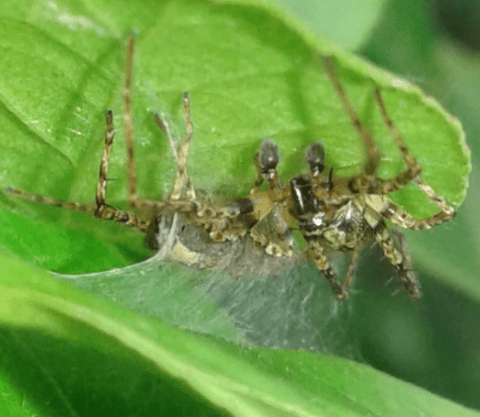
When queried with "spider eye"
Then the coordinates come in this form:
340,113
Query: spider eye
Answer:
315,156
268,156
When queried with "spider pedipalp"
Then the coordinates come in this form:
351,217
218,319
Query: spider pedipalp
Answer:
315,157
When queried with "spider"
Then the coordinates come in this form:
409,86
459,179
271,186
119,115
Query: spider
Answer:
346,213
333,213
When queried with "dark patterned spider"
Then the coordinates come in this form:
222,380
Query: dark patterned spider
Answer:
333,213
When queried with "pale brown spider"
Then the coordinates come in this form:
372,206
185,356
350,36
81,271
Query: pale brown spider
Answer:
333,213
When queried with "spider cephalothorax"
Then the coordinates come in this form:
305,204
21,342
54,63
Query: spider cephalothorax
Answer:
333,213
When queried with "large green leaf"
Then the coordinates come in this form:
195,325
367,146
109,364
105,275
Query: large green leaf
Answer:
252,72
86,356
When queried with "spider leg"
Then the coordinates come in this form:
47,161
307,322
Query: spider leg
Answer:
182,182
101,209
174,204
217,220
266,162
103,171
185,149
128,119
373,152
351,269
37,198
321,262
449,212
399,257
129,143
403,219
221,222
412,173
183,197
413,169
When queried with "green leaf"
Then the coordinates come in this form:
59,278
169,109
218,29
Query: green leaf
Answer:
252,72
162,369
